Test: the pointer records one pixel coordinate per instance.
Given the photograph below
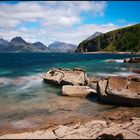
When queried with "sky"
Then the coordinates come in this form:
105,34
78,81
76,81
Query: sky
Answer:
65,21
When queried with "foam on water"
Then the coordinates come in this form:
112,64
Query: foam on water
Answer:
124,74
21,124
30,84
115,60
22,82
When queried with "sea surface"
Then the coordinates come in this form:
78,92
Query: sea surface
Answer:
27,102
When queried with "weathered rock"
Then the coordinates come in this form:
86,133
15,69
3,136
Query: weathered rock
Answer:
132,60
119,116
66,76
134,78
136,71
53,76
120,90
95,129
76,91
92,82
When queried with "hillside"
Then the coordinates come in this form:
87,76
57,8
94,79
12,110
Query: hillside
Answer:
124,39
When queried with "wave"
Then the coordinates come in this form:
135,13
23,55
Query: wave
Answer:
115,60
123,74
30,84
23,82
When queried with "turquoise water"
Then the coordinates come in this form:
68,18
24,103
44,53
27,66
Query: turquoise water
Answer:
25,101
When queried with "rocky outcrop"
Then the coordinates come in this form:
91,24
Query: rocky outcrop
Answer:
119,116
136,71
132,60
77,91
66,76
120,90
95,129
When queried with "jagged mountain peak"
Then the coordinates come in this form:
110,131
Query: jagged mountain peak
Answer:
94,35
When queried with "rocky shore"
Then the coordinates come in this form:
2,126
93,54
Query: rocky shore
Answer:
116,90
116,125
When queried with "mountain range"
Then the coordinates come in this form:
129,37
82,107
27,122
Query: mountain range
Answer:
17,44
120,40
62,47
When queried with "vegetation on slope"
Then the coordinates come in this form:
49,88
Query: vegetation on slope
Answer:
125,39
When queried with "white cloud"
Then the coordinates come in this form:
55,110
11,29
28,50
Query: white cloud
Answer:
62,13
60,21
70,35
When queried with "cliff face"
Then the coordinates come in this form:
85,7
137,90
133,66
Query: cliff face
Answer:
125,39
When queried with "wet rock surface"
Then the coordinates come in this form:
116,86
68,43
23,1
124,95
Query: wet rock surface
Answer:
120,90
61,76
77,91
132,60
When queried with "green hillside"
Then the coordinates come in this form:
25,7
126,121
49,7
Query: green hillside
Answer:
121,40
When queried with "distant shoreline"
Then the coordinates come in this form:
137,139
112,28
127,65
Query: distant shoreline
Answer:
101,52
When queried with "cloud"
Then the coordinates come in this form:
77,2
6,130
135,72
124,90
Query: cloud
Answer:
58,21
70,35
49,13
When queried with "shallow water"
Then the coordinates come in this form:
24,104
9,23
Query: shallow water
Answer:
25,101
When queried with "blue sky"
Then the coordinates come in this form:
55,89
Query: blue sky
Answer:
68,21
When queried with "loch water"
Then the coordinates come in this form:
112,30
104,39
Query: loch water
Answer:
26,101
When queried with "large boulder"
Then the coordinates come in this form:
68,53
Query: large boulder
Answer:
77,91
136,71
120,90
132,60
66,76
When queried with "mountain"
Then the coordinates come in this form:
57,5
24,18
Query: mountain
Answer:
41,46
62,47
3,44
17,44
124,39
94,35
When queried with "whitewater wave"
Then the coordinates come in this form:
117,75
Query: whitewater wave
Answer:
123,74
115,60
23,82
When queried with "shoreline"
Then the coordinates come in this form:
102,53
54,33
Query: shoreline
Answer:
54,128
121,117
102,52
110,124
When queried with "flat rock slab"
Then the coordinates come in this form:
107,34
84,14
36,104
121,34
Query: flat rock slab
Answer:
66,76
95,129
132,60
120,90
77,91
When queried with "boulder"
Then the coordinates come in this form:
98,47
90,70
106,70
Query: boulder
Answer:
77,91
120,90
132,60
136,71
66,76
53,76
